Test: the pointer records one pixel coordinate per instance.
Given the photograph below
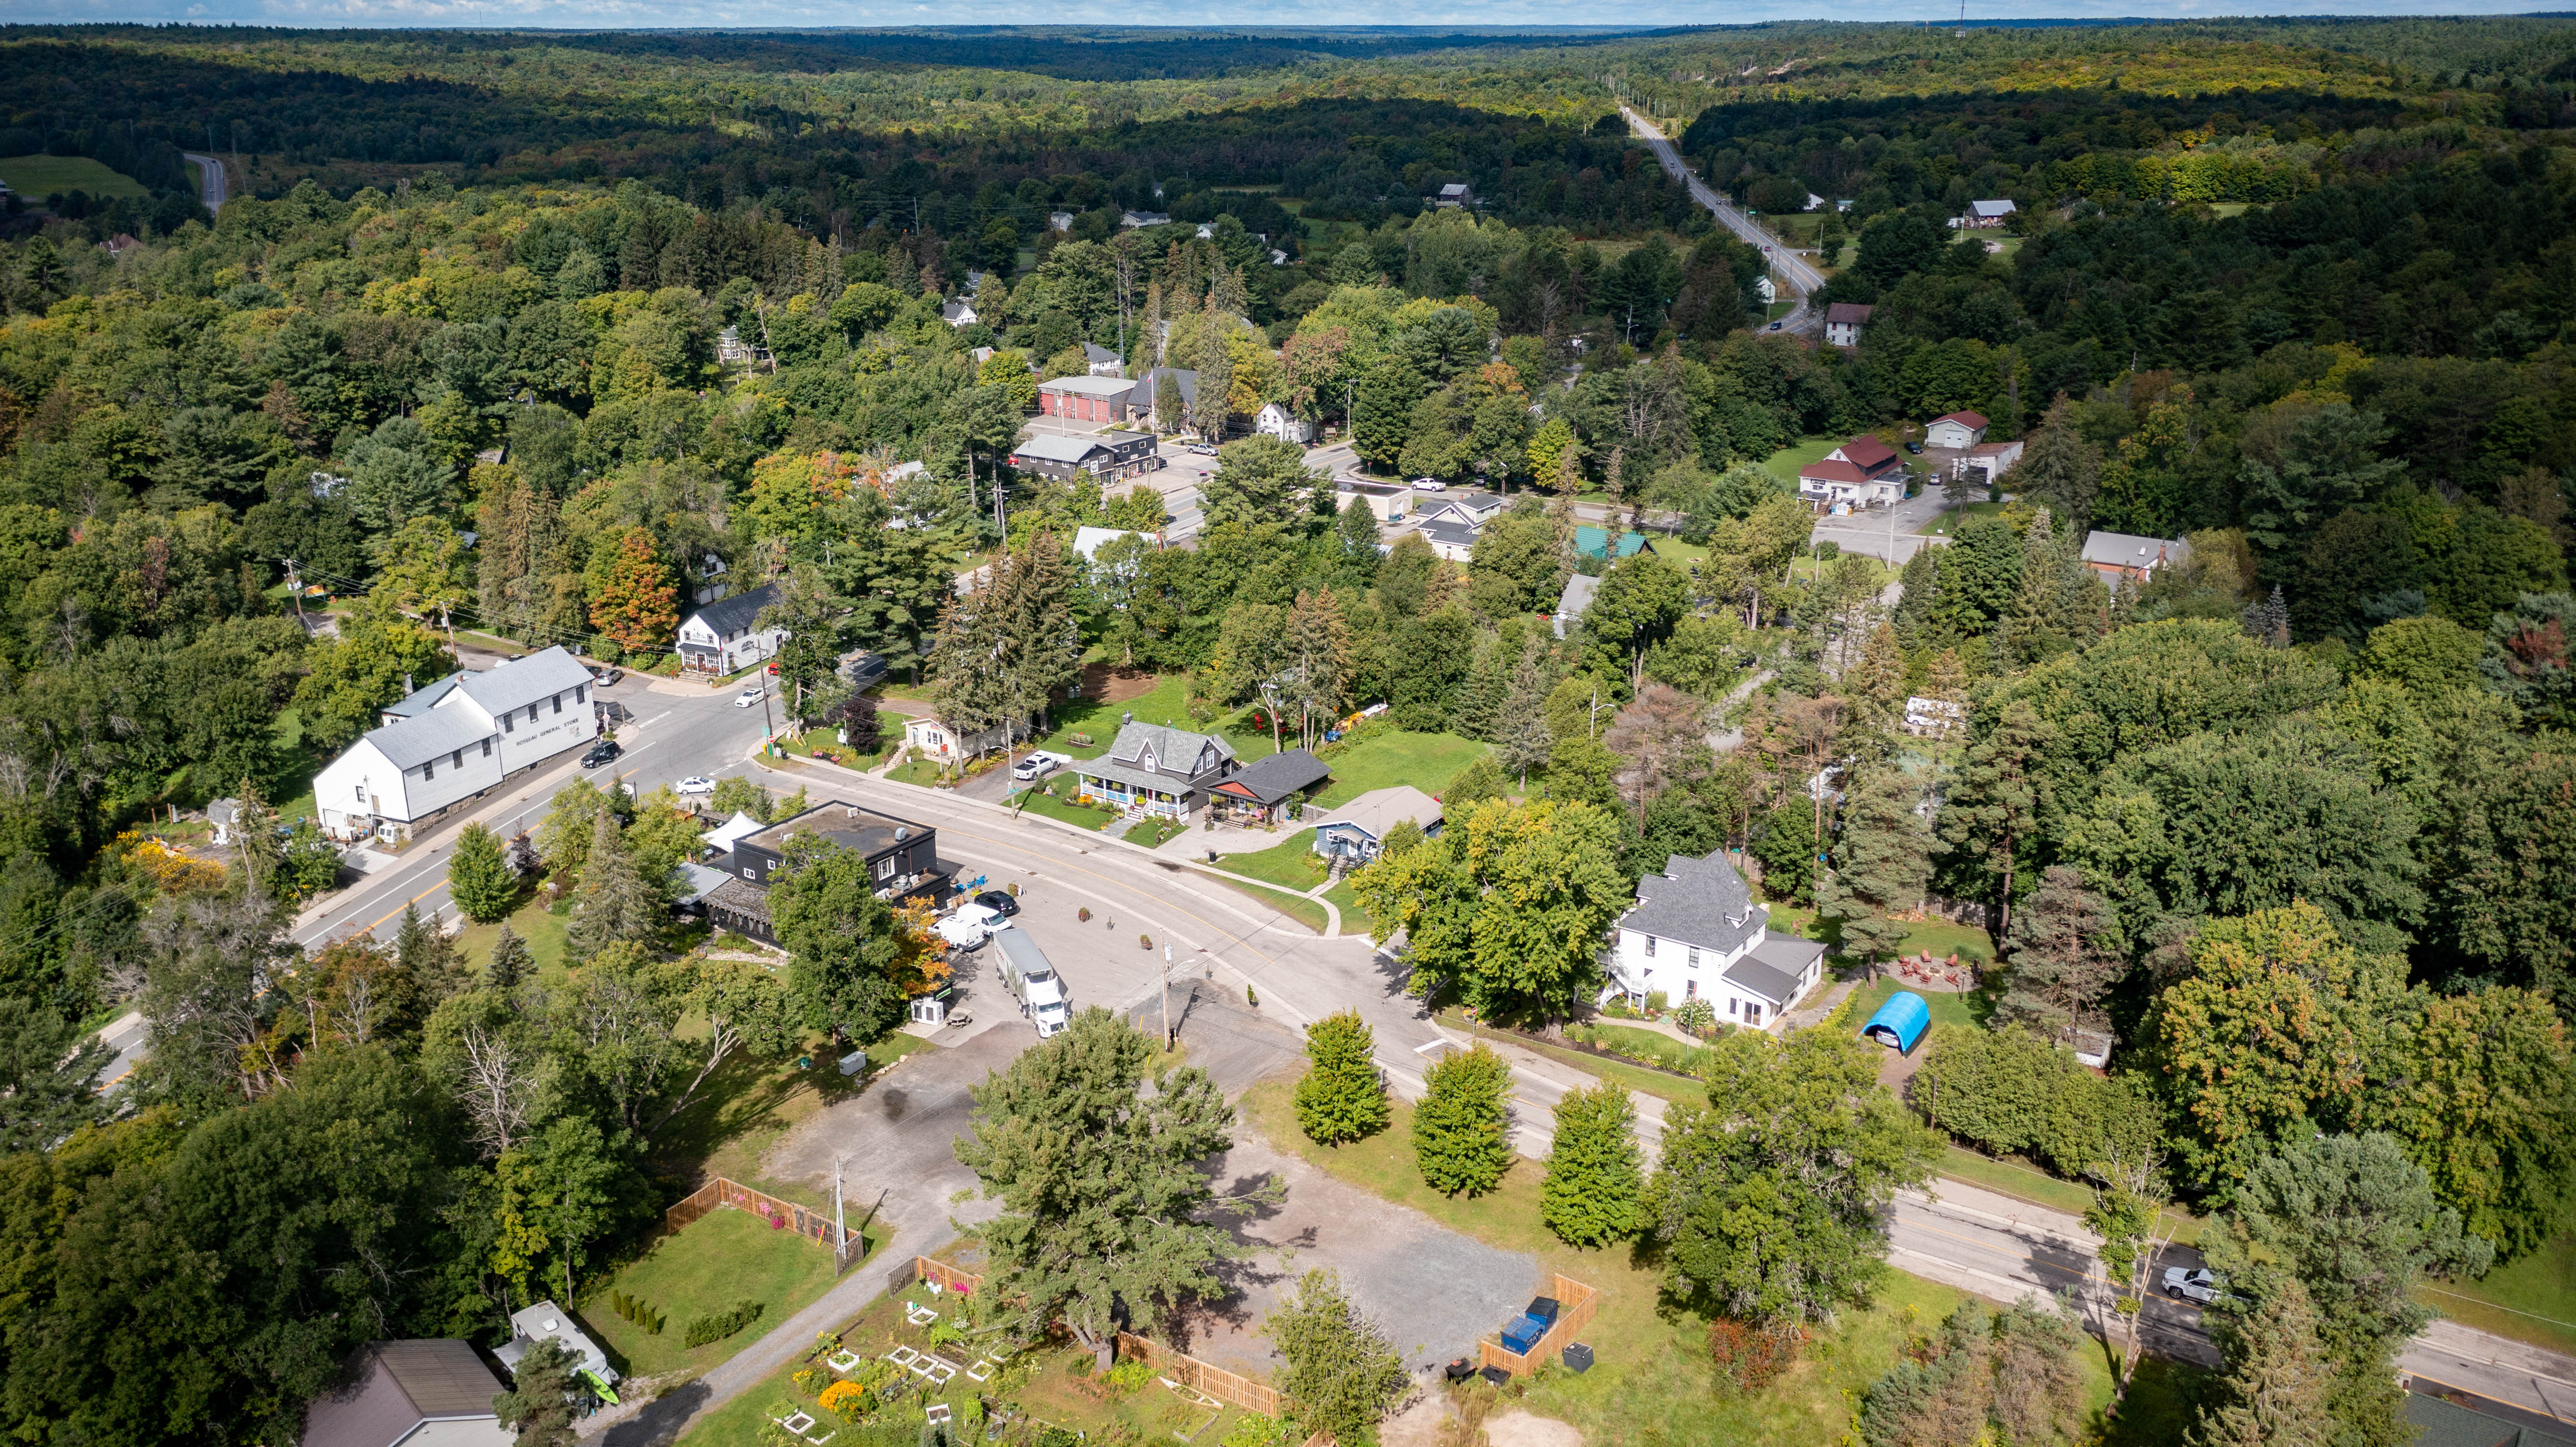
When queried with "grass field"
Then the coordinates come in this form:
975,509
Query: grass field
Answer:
1396,756
543,931
1951,517
1948,1007
1296,906
725,1257
1168,701
1784,464
36,177
2533,1299
1648,1387
1355,916
1292,862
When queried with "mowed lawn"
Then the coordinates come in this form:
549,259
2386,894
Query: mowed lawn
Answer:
1426,761
37,177
1649,1385
1292,862
721,1258
1784,464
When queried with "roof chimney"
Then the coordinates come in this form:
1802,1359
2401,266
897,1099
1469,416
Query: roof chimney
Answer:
407,688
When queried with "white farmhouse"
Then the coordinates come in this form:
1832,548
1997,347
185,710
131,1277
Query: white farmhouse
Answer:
1696,934
1274,420
720,638
448,744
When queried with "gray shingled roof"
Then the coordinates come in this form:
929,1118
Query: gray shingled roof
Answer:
737,613
1772,968
1448,532
1275,778
1701,902
1176,751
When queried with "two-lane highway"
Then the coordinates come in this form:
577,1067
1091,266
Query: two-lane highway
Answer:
1802,277
213,186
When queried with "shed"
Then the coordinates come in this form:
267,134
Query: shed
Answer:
1900,1022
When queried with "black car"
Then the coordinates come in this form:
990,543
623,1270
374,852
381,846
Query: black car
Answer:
999,902
1914,447
603,752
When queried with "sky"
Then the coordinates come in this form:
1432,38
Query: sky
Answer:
658,14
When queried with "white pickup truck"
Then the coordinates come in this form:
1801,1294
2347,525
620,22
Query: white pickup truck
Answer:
1032,978
1038,765
969,925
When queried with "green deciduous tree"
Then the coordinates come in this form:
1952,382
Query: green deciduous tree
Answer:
1593,1174
1767,1200
1341,1098
841,936
1104,1203
479,877
349,679
1506,907
1343,1374
48,1076
1641,599
1461,1138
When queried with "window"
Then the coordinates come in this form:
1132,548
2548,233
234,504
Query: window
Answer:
577,695
1690,988
559,704
1694,957
425,770
532,713
1650,947
510,722
749,873
1752,1013
360,790
1733,1005
885,867
487,748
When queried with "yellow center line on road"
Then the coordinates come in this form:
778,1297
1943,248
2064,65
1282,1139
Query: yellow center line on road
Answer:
2051,1265
1053,862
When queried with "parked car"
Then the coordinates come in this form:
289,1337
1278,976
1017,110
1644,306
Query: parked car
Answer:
999,901
696,784
1038,765
607,676
970,926
2197,1284
1427,484
1914,447
1203,449
603,752
751,694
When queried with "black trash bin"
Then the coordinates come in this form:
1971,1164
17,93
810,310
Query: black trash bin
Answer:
1578,1357
1495,1375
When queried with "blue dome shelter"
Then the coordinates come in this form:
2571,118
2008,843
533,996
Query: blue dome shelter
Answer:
1900,1022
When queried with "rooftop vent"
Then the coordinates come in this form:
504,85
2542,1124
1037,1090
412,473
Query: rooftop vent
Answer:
901,835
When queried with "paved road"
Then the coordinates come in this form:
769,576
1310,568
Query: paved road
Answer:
1801,275
213,186
679,729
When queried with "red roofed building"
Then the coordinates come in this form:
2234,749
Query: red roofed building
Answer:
1862,472
1957,431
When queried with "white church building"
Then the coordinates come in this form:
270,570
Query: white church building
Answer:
446,745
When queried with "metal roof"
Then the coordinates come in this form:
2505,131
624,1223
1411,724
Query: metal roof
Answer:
1060,447
400,1385
437,734
1089,386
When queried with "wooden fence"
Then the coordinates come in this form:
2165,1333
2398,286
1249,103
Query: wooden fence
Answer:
804,1221
1187,1370
1575,1304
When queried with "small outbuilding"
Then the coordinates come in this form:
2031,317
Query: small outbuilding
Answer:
1900,1022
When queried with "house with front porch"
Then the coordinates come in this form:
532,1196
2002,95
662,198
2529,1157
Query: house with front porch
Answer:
725,635
1268,790
1156,770
1696,934
1353,834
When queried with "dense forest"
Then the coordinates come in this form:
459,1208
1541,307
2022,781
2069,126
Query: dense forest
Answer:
633,310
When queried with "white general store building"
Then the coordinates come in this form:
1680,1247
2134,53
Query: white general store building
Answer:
443,746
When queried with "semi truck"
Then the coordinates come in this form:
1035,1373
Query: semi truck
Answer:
1032,978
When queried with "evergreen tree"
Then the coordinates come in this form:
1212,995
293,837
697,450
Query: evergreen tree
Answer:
1216,377
616,902
2269,620
511,961
1382,410
539,1404
2059,470
1169,412
1593,1171
2061,965
1993,807
2277,1384
1480,703
479,877
1882,865
1875,687
1461,1130
428,957
1343,1374
1341,1097
1480,780
2060,603
1522,739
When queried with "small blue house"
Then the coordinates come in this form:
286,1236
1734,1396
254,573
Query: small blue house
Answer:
1900,1022
1357,830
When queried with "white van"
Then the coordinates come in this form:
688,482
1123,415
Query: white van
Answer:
1032,978
970,925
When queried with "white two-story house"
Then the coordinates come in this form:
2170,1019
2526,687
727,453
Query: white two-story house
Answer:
445,745
1696,934
721,636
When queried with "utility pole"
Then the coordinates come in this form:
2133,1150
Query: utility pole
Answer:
840,1223
295,587
1167,995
